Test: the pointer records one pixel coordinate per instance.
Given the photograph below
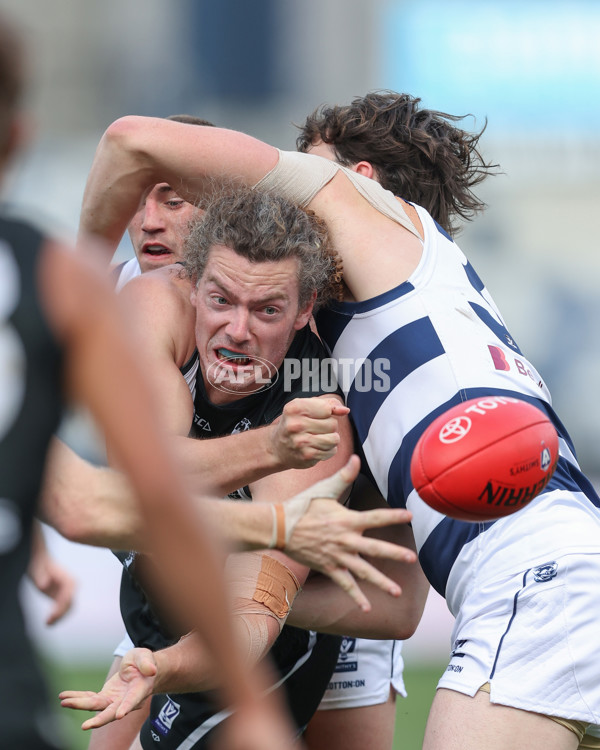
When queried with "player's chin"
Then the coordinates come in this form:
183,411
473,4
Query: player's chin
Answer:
152,262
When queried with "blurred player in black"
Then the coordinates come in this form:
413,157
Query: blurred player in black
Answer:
61,334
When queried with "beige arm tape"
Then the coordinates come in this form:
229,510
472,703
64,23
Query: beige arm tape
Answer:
261,585
299,177
255,635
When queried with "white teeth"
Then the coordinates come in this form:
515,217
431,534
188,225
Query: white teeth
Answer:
233,357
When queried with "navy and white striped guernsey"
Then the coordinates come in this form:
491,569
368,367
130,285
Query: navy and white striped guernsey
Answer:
411,353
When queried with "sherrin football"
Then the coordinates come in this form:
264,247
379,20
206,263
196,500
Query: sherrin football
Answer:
484,458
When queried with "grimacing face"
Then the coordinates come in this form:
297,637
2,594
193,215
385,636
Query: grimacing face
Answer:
160,226
246,317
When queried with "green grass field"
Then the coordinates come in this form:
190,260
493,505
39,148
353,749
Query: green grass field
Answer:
411,715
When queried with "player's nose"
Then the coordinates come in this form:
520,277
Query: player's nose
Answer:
152,220
238,325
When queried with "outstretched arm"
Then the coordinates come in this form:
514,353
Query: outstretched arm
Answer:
92,505
137,152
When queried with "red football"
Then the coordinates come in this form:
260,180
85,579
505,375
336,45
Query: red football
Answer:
484,458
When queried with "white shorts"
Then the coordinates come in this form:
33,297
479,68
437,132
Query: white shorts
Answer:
365,672
534,636
124,646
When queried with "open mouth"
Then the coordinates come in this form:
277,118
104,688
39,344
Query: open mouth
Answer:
156,250
233,358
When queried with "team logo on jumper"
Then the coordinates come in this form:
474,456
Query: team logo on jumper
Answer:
202,424
545,572
348,657
243,425
168,713
455,430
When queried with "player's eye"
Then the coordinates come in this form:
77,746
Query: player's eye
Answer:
270,310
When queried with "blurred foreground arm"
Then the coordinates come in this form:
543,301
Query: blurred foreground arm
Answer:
101,371
96,506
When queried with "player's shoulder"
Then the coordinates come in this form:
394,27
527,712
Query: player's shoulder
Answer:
164,287
157,303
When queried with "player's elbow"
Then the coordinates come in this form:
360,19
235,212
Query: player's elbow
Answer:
69,523
124,140
122,132
406,626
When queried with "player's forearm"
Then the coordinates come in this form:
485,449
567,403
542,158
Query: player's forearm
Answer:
188,666
92,505
217,466
246,526
324,607
114,186
88,504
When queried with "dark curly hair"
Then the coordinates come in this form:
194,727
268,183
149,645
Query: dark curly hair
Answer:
264,227
418,154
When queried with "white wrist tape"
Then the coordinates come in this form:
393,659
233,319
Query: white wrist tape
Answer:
287,514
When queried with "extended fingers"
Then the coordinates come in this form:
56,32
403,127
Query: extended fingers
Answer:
365,545
101,719
347,583
363,570
83,700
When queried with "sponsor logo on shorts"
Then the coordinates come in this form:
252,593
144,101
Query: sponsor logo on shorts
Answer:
346,684
456,649
457,653
545,572
348,658
168,713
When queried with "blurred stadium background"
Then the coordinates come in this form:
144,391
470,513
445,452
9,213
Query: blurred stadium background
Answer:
530,67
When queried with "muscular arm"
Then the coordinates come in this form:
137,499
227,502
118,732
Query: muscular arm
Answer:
137,152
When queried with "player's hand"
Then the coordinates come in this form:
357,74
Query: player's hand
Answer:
326,536
51,579
125,691
307,431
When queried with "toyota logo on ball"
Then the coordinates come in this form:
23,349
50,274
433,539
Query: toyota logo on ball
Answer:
455,430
